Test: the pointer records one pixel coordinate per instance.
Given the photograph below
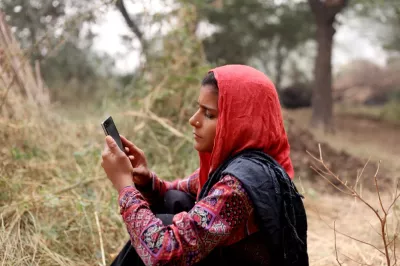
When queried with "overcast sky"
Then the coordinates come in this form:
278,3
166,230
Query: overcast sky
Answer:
349,43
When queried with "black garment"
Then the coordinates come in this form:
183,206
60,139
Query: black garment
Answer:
248,251
282,240
174,202
277,203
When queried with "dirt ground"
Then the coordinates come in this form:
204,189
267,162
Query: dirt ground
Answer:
361,137
356,140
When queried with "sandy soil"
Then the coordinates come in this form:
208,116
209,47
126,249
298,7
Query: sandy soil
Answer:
356,140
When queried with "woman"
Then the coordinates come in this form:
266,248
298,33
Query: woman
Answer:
247,210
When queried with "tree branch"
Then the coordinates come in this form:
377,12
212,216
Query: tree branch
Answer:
315,5
131,24
387,243
336,8
327,10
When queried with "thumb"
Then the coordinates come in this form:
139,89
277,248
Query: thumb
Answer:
112,145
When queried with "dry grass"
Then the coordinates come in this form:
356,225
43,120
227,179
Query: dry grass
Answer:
52,186
352,218
361,137
58,208
17,77
388,112
56,205
48,178
365,139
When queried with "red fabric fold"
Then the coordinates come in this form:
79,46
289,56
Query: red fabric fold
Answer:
249,116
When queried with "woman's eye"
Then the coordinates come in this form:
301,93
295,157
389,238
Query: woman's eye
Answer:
208,115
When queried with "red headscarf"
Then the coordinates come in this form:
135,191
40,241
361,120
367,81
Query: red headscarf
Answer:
249,116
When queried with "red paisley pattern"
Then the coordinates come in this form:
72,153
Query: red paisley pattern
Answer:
224,217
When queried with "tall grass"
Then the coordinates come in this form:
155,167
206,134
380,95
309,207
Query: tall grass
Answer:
51,185
57,206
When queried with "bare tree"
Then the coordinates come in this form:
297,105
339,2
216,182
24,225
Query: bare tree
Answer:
325,12
132,24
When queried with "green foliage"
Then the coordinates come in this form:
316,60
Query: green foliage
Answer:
41,25
58,36
27,151
172,75
391,110
167,86
385,14
260,32
78,74
33,19
252,25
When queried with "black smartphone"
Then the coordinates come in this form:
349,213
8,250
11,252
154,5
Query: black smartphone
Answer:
110,129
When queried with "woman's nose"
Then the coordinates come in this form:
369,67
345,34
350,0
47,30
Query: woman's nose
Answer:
193,121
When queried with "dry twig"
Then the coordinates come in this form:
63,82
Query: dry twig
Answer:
336,251
325,173
101,239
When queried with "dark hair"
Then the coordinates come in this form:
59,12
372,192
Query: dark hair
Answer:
209,79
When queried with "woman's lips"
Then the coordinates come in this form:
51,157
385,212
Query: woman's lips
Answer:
196,136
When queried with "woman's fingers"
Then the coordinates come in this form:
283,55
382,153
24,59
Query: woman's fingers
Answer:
132,148
125,141
131,157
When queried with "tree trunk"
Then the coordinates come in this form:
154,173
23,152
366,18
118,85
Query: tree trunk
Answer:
325,14
279,62
322,91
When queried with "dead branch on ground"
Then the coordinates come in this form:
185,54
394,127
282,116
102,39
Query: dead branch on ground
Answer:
389,244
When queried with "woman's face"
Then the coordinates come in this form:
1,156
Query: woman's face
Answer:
204,121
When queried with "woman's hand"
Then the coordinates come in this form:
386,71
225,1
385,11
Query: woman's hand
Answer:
141,174
116,165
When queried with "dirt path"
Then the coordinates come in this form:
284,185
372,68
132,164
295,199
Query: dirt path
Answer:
383,136
360,137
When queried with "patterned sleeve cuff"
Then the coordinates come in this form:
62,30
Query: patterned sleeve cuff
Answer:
127,197
122,191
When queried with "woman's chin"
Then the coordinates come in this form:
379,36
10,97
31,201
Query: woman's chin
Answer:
197,147
201,148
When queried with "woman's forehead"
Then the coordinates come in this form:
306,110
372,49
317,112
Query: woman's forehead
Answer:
208,96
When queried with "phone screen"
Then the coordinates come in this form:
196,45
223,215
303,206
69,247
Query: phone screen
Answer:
110,129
